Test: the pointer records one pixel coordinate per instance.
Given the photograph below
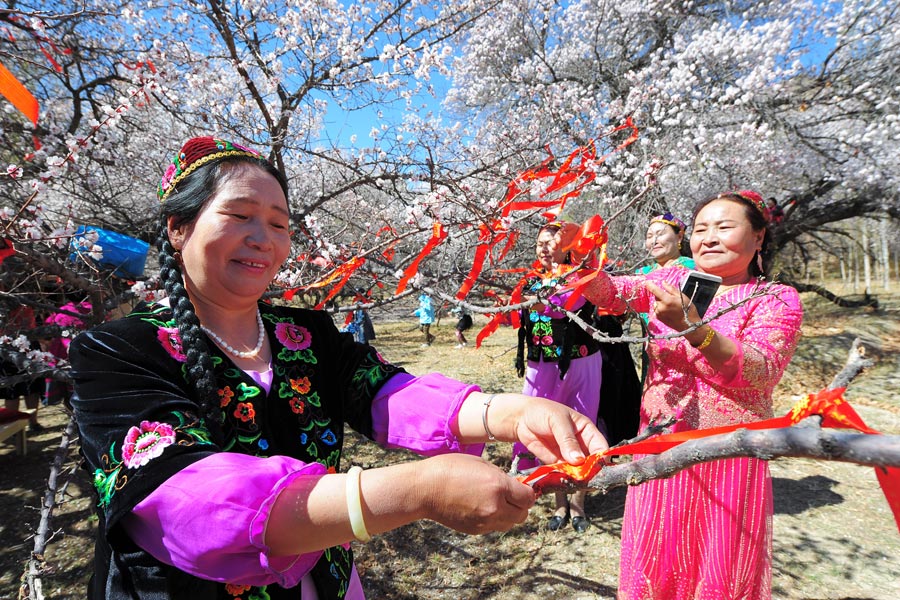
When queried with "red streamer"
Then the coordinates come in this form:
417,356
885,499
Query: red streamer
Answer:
6,249
345,270
438,235
487,241
492,325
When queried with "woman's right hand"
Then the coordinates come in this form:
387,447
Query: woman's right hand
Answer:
672,307
471,495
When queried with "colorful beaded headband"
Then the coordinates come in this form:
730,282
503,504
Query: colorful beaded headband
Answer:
195,153
669,219
753,198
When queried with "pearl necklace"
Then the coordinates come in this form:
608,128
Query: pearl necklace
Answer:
231,350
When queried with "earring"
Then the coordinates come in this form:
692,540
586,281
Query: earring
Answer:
759,262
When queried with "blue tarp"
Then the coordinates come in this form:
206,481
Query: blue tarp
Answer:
124,253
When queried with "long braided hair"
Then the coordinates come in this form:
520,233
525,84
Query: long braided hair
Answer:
183,204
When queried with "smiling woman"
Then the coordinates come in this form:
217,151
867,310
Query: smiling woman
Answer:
244,228
212,423
706,532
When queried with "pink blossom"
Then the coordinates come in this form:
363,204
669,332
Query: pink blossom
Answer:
144,443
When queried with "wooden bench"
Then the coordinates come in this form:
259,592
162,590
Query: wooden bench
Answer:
18,429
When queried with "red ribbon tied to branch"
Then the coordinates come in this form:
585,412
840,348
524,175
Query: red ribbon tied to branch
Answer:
6,249
488,238
438,235
344,271
836,412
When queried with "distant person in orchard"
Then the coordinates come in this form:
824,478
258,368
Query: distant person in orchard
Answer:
558,359
706,532
776,213
360,326
665,243
212,422
463,324
425,312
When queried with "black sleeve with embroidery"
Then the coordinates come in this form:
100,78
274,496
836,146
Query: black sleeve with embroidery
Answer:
137,422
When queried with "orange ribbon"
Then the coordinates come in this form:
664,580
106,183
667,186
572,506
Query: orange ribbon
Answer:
486,242
18,96
345,271
438,235
494,322
835,411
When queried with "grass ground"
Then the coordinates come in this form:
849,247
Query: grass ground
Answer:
834,535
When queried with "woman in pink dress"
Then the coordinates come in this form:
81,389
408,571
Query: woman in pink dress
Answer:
706,533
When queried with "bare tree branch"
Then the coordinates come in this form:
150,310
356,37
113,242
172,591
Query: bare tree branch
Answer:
33,589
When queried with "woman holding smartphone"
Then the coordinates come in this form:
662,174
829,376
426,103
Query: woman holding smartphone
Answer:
707,531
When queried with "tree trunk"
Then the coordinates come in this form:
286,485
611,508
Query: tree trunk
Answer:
885,255
867,261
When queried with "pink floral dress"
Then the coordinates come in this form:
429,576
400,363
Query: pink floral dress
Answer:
706,533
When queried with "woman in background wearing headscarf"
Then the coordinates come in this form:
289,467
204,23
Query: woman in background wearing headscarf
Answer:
665,244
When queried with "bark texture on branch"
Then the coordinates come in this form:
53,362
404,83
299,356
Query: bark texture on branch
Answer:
805,440
767,444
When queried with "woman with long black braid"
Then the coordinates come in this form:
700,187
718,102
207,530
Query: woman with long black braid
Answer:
212,423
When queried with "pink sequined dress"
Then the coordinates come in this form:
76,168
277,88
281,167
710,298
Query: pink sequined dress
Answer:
706,533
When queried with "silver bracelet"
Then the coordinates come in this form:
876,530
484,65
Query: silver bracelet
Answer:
487,403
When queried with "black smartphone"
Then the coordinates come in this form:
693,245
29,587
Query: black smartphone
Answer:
700,288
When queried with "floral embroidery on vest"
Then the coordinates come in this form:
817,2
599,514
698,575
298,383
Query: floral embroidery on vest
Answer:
171,341
246,592
142,444
292,337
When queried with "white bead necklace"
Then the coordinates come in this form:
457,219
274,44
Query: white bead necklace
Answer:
230,349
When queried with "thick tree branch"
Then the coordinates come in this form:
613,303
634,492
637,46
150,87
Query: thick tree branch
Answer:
805,440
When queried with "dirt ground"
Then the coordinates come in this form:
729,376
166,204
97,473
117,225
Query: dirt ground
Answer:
834,536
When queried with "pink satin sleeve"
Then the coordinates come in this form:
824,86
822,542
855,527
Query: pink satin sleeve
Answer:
416,413
210,518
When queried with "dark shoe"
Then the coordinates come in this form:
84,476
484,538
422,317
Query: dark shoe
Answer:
35,428
556,522
580,524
